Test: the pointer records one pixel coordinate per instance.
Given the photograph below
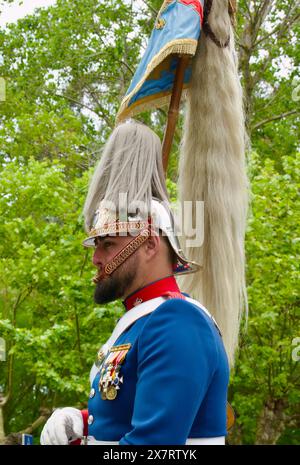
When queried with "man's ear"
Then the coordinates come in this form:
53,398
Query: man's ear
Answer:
152,245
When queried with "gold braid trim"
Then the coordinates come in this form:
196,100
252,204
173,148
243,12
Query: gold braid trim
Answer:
119,226
128,250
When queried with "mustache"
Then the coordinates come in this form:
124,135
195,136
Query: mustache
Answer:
99,276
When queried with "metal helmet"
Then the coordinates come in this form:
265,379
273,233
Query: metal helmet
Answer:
106,222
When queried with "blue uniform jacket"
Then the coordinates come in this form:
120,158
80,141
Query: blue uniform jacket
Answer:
175,379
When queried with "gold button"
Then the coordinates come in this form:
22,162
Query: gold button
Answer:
160,23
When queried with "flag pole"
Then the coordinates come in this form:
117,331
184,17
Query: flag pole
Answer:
174,109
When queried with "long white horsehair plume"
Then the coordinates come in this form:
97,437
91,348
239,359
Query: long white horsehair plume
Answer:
131,163
213,169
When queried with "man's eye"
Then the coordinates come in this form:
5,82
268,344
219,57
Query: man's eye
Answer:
107,244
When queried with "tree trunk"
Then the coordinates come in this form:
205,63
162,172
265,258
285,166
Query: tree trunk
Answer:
272,422
2,432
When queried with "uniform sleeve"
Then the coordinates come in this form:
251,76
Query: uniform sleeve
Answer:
176,362
85,415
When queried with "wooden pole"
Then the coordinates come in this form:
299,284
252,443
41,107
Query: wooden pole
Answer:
174,110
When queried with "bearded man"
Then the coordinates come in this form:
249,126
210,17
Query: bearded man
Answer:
162,376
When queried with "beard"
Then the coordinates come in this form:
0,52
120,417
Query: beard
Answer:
114,286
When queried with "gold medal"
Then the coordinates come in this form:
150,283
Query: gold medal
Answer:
110,379
111,393
100,357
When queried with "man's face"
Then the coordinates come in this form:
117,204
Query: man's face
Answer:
114,286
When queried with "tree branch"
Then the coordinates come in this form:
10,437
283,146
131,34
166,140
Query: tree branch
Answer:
268,102
80,104
150,8
248,11
262,68
127,66
280,29
260,16
274,118
101,108
38,422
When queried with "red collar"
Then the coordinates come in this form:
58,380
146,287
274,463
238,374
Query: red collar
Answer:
163,287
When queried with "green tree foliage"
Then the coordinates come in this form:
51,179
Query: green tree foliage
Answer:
66,69
268,33
265,385
46,305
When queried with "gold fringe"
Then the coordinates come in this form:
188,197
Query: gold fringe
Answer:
177,47
149,103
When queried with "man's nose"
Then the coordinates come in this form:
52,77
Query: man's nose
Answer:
97,257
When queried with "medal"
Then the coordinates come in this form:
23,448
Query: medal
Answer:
111,392
110,379
100,357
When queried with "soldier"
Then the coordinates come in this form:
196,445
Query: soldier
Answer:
162,376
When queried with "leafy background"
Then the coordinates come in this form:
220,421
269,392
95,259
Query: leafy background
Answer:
66,68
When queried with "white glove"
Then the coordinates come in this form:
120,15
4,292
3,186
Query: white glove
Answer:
64,425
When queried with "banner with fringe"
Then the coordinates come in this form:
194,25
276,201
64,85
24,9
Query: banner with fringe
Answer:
176,32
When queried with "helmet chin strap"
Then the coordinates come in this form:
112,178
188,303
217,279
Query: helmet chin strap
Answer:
122,256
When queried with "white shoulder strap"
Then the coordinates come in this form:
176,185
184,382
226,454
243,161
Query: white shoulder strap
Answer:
131,316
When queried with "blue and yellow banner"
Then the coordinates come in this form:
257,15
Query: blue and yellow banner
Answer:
176,33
